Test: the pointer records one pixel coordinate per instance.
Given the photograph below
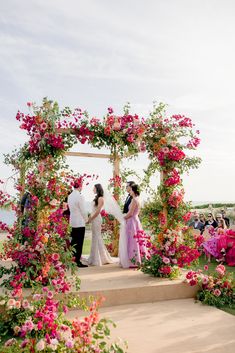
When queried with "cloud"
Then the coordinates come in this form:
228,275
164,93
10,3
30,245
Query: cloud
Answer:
101,53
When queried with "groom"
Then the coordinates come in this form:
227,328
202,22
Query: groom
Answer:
129,197
77,220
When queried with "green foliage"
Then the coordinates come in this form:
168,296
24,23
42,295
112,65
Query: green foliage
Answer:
150,212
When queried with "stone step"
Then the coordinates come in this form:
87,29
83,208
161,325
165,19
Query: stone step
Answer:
125,286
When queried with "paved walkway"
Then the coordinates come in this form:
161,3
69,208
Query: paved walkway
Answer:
175,326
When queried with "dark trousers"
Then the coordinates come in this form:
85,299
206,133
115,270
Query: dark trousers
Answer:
77,235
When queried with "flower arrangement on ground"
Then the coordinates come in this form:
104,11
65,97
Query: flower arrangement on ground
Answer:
169,252
41,325
215,289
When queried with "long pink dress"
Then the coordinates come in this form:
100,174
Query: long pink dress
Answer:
227,242
133,225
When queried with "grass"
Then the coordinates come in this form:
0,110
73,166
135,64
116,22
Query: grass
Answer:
86,246
212,265
1,246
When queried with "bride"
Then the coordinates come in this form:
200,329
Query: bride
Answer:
99,254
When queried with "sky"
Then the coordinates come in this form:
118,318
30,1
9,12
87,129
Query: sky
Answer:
95,54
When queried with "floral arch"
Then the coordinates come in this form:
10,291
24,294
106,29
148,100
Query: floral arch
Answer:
41,163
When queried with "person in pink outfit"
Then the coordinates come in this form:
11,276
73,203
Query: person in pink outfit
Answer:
133,225
226,245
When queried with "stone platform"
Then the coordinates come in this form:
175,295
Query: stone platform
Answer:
125,286
129,286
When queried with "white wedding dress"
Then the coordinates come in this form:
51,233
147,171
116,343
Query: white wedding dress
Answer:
99,255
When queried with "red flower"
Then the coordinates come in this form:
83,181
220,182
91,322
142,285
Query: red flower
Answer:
176,154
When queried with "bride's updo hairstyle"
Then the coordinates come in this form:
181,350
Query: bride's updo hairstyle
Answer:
99,193
135,188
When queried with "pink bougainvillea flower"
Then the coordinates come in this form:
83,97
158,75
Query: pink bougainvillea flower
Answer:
43,126
55,257
217,292
220,269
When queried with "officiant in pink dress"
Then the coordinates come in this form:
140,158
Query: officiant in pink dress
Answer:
133,225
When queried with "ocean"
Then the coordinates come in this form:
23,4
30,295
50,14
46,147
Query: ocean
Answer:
7,217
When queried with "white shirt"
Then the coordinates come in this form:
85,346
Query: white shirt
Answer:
78,214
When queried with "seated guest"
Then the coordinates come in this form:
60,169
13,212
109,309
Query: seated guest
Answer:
226,247
227,221
211,222
196,224
221,222
202,218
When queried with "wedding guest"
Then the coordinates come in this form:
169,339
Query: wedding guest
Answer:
196,223
25,207
226,246
221,222
77,220
133,225
129,197
211,222
227,220
25,202
202,218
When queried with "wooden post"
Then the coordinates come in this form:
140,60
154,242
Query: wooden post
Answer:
162,177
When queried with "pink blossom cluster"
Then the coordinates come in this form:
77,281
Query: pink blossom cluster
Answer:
176,198
176,154
186,255
183,121
173,153
4,198
46,328
173,178
193,143
84,133
187,216
39,129
4,227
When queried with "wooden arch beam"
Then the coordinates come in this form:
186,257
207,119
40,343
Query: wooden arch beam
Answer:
90,155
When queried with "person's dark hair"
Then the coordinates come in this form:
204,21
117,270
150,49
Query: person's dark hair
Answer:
130,183
99,193
135,189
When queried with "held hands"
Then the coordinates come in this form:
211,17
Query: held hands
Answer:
89,220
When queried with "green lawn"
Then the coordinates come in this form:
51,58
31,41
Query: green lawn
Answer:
86,246
212,265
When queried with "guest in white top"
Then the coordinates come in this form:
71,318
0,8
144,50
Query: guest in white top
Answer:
77,220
